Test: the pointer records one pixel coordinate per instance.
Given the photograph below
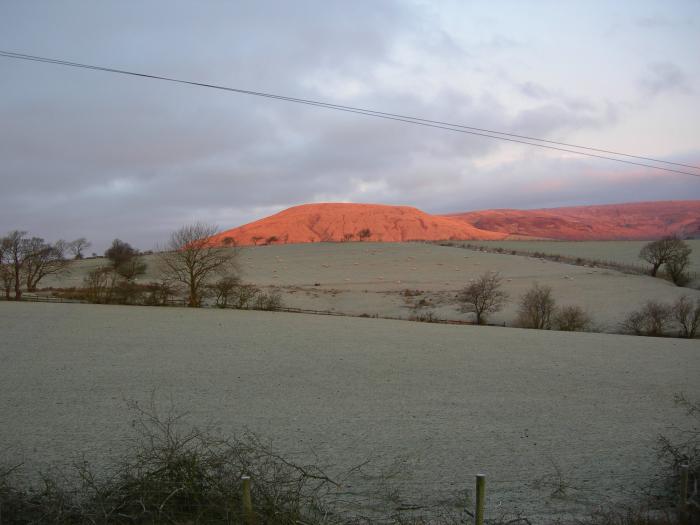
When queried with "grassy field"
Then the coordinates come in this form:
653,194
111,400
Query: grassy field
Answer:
624,252
372,279
433,403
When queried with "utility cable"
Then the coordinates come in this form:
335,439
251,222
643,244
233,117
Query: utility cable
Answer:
503,136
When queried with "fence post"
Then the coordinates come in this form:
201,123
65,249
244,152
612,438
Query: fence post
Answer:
683,496
480,498
247,502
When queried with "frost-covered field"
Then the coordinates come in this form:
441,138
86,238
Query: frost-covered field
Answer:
625,252
371,278
447,401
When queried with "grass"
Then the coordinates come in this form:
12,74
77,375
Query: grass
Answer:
190,476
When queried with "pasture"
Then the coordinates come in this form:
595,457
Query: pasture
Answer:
401,280
430,404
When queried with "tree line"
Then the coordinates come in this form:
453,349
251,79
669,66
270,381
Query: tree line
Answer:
25,261
188,262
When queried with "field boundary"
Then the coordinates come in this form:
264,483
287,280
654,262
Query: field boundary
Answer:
627,268
181,303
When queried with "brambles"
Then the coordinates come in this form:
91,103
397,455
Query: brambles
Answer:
537,307
682,447
484,296
173,475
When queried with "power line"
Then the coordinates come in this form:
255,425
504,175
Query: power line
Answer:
498,135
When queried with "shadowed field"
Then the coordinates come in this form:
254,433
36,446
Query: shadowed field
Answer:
446,401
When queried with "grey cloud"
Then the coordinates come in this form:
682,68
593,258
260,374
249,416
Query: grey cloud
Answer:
103,156
663,77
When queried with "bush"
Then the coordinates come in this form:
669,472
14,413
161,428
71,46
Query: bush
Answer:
537,307
677,267
652,320
175,476
683,446
484,296
268,301
687,315
572,319
244,294
224,289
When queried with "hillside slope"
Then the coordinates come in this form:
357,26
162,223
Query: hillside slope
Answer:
334,222
634,221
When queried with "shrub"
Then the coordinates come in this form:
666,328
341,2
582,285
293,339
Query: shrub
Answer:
224,289
687,315
651,320
268,301
537,307
682,447
677,267
572,318
484,296
176,476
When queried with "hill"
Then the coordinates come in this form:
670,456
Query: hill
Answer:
335,222
633,221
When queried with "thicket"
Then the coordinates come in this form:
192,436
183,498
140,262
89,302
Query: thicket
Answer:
659,319
175,475
538,309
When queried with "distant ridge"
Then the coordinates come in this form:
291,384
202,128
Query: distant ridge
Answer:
338,222
630,221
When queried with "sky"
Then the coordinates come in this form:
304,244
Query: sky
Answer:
97,155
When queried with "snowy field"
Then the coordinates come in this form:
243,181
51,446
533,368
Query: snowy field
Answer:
441,402
625,252
372,279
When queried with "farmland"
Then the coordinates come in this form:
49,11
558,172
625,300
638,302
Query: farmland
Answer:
442,402
401,280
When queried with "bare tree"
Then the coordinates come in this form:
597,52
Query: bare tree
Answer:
16,255
484,296
347,237
677,265
661,252
537,306
256,239
43,259
192,259
6,273
365,233
99,284
687,315
77,246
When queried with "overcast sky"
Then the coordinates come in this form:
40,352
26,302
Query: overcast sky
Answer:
94,154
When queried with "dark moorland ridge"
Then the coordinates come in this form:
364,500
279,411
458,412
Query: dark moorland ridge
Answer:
381,223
